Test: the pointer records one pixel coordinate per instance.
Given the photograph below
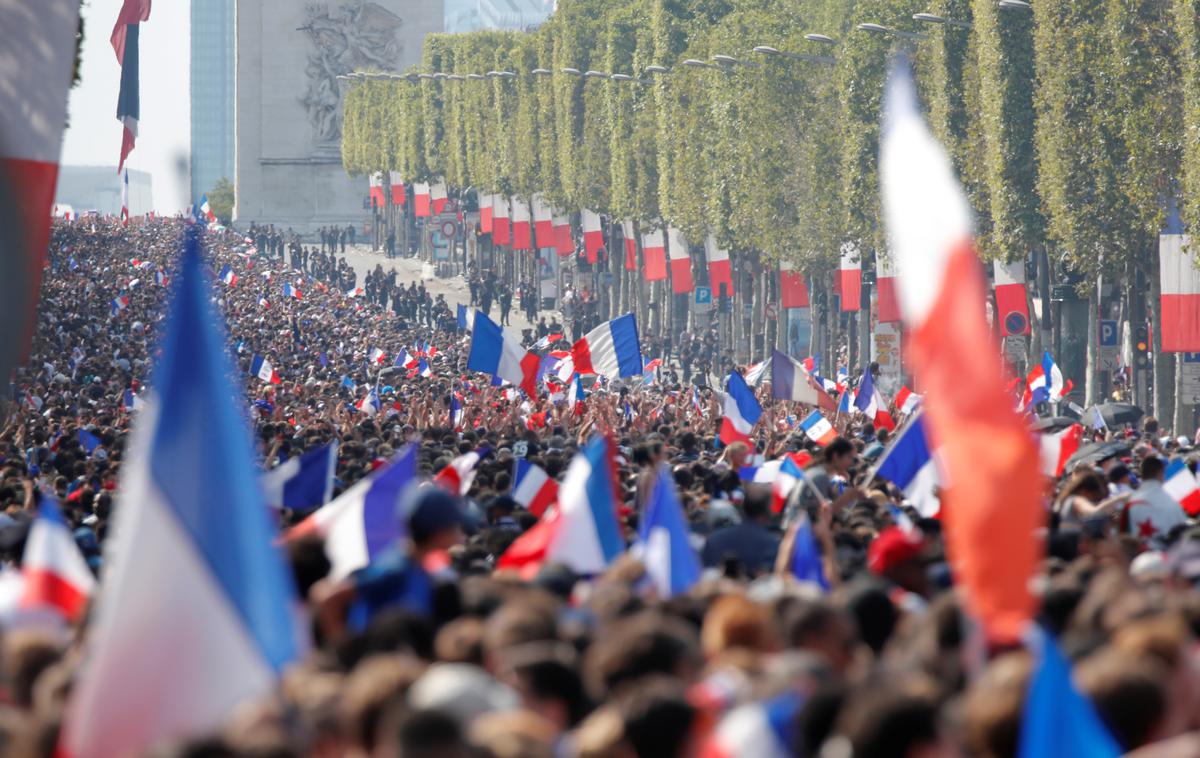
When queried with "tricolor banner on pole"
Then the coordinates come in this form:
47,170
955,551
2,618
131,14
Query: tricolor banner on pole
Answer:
486,205
654,256
397,183
1012,310
501,220
375,189
543,221
1180,289
522,238
720,274
630,239
681,262
593,234
563,243
421,199
437,195
887,306
793,289
125,43
849,277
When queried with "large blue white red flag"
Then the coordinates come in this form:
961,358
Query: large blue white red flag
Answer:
533,488
458,475
789,381
666,551
741,410
125,44
361,523
909,464
993,490
499,353
191,510
611,349
302,482
587,537
1180,483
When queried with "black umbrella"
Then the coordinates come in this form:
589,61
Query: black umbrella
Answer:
1115,414
1052,424
1098,451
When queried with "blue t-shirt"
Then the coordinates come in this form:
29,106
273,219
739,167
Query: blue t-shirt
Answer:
391,581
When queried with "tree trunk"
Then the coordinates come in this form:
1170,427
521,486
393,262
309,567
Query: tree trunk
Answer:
1164,363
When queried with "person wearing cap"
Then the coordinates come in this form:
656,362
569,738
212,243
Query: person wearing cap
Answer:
896,555
399,578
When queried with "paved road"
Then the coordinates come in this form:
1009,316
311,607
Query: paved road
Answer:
455,290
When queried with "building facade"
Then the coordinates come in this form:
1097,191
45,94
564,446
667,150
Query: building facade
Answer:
288,116
212,93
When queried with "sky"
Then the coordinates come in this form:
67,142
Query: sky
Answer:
93,136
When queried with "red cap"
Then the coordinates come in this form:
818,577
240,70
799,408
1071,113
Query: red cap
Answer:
892,547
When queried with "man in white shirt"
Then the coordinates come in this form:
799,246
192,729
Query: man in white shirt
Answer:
1151,512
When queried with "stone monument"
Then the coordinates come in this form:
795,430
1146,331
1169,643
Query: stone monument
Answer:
288,115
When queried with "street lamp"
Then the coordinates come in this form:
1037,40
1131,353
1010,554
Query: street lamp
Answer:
456,77
476,76
822,38
620,77
571,71
725,60
693,63
507,74
1014,5
424,76
596,74
873,28
930,18
771,51
540,72
657,70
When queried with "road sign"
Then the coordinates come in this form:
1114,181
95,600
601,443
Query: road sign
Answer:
449,228
1110,345
1190,369
703,299
771,312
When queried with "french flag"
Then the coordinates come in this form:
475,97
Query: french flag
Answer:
1057,448
361,523
421,199
720,273
290,291
593,234
228,275
586,536
119,303
1179,279
501,223
261,367
761,729
849,277
406,360
630,240
907,401
1038,390
789,381
886,304
1012,309
125,44
486,202
681,262
1180,483
993,495
262,301
303,482
521,227
36,79
437,195
543,221
131,402
369,403
496,352
909,464
793,287
458,475
375,190
533,488
741,410
611,349
870,403
818,429
576,396
398,192
664,540
190,509
654,256
456,411
564,244
54,571
423,368
376,356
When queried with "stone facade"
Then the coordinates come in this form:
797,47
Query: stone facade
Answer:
288,112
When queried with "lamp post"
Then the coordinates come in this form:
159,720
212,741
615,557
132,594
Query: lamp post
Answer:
932,18
776,53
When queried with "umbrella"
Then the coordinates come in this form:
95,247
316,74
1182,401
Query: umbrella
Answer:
1115,414
1052,424
1098,451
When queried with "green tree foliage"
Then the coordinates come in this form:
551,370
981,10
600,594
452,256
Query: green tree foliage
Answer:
221,200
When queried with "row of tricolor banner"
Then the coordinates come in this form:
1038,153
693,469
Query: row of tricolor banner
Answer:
429,198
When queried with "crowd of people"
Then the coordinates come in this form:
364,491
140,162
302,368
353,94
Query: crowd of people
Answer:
450,654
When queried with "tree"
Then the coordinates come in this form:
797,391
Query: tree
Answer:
221,199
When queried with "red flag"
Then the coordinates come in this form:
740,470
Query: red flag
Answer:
849,278
681,262
720,272
132,12
886,305
793,287
992,502
654,256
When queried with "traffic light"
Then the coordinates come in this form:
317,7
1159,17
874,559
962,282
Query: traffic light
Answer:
1141,346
